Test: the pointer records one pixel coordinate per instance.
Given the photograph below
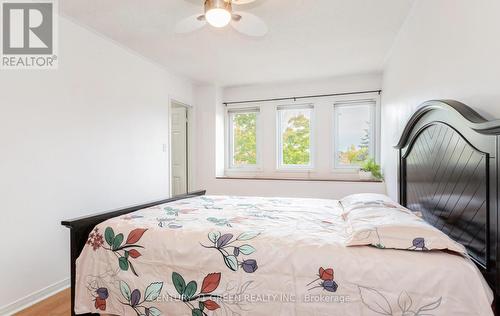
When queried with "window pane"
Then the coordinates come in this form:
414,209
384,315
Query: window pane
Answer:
244,138
354,134
295,128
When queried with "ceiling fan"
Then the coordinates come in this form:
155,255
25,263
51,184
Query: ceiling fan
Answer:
219,14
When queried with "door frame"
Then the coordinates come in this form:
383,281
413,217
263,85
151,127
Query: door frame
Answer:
189,147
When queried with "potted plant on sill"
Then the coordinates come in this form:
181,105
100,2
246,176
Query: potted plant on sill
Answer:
370,170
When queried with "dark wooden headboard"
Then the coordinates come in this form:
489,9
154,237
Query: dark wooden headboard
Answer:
448,170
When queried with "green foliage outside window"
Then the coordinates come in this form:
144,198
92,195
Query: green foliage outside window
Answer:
245,138
354,155
357,155
296,141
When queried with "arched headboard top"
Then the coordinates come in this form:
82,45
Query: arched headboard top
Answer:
470,118
448,171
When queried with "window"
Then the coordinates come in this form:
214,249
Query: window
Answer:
294,136
243,140
326,138
354,126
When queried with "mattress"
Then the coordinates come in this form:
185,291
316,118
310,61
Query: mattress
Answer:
226,255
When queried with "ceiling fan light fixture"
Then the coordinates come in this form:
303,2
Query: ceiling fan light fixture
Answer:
218,13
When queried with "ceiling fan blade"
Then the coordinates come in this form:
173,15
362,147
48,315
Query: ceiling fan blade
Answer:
190,24
249,24
242,1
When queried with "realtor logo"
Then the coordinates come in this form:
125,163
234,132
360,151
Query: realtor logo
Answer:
28,35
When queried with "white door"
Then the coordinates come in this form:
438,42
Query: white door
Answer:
179,150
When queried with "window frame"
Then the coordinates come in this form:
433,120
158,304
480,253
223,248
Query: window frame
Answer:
373,148
229,143
280,166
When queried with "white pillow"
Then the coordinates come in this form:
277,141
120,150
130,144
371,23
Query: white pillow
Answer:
369,200
397,228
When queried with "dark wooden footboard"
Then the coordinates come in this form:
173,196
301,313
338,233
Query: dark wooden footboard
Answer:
81,227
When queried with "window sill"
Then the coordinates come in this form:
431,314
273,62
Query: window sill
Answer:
242,173
299,179
305,169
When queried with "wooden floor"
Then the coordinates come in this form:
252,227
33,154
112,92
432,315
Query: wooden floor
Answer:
57,305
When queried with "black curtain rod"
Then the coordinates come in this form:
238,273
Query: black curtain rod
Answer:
302,97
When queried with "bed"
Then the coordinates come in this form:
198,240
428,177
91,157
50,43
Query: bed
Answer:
224,255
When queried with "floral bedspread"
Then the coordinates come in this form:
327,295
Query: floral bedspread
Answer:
221,255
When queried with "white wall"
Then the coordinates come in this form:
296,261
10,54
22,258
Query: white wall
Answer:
210,153
447,49
83,138
205,163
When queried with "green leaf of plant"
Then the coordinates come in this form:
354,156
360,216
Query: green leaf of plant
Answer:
190,289
231,262
248,236
197,312
109,235
179,282
213,236
247,249
153,291
153,311
201,306
117,242
123,263
125,290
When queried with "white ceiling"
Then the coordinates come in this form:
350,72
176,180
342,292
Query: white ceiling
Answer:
306,39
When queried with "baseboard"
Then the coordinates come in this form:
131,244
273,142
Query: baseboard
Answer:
34,298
